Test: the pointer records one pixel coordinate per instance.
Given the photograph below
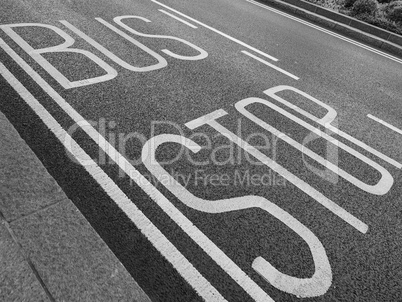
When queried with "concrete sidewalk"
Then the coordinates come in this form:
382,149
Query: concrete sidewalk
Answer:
48,251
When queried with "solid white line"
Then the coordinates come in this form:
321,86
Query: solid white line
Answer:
153,234
385,123
177,18
178,217
327,32
218,32
270,65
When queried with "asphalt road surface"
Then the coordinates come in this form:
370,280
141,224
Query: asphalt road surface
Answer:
222,149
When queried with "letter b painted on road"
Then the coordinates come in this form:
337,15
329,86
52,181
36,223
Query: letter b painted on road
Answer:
64,47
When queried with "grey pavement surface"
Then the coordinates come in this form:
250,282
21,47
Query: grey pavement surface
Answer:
350,78
48,250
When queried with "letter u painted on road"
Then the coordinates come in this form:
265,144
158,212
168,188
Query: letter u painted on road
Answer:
316,285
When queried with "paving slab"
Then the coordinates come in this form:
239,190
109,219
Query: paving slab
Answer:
71,258
25,185
17,280
48,250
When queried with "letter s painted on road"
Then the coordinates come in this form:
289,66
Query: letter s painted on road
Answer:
203,54
316,285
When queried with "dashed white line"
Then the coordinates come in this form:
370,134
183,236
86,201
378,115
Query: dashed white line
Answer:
270,65
177,18
218,32
397,130
327,32
153,234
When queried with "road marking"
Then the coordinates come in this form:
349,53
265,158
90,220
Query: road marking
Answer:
327,32
210,119
178,217
385,123
270,65
177,18
326,121
153,234
219,32
315,286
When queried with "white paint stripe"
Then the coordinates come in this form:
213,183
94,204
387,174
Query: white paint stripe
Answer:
328,32
218,32
397,130
182,221
177,18
270,65
158,240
